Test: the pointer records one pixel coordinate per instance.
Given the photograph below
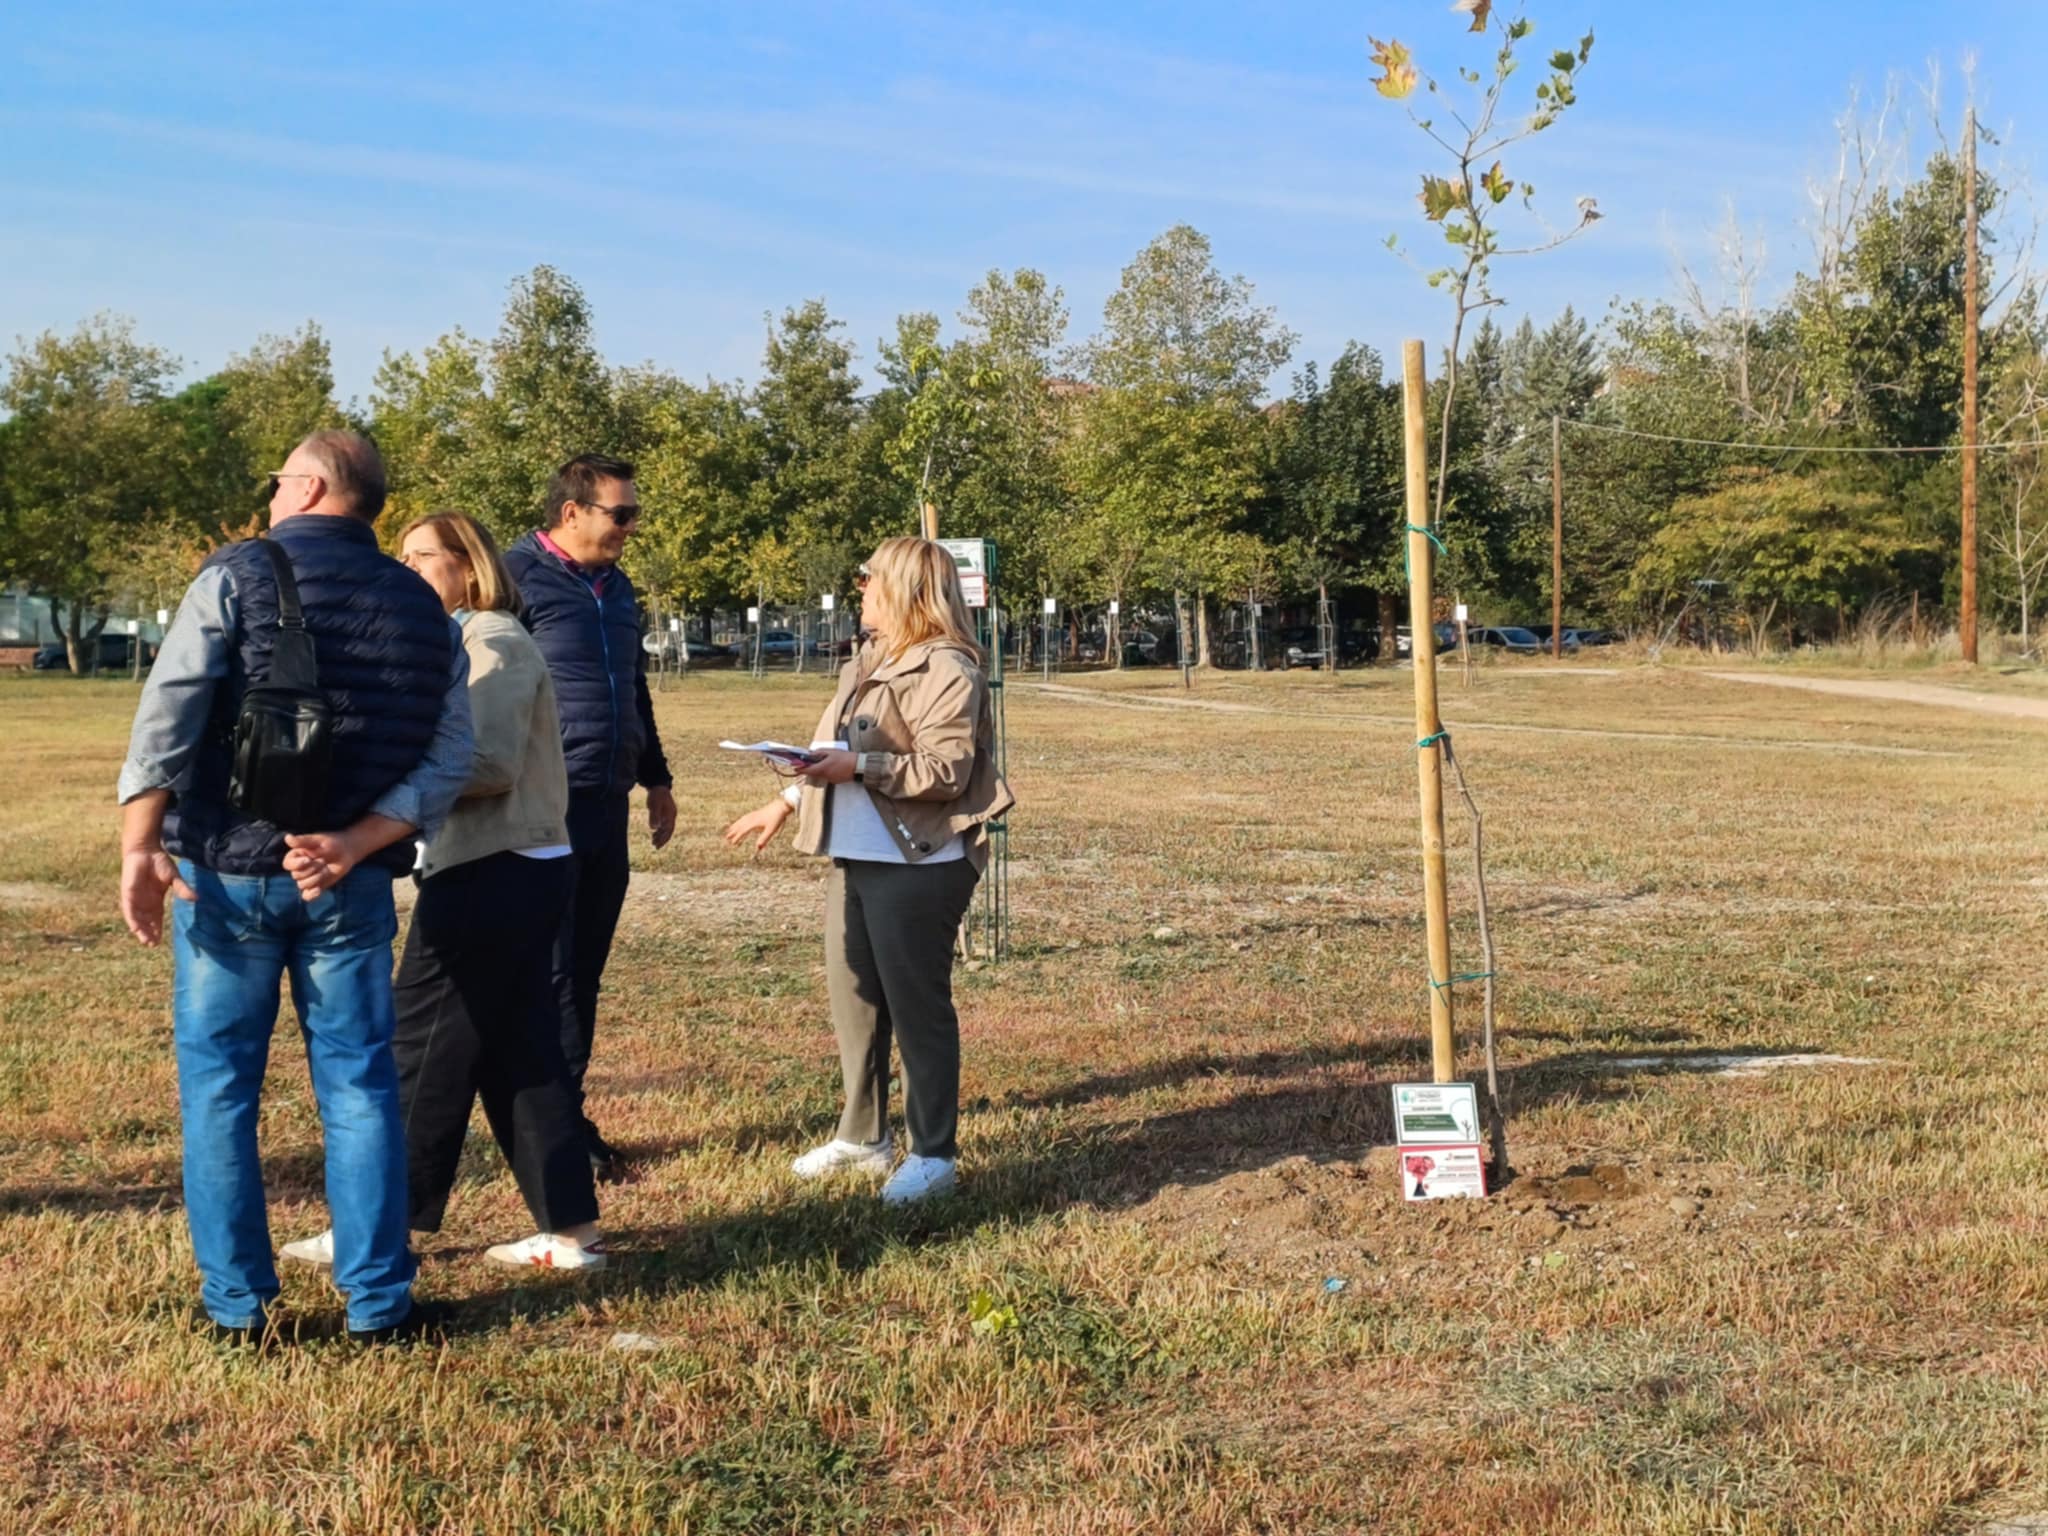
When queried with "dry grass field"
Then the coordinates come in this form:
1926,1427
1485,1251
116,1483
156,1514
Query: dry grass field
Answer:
1804,1300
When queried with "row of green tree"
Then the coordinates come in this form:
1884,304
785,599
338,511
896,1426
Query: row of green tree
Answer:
1143,463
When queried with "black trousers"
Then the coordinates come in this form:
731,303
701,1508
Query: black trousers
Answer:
476,1016
583,942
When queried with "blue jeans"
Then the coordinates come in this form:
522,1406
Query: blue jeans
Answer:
232,948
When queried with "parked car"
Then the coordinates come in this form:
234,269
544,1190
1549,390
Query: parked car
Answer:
1142,647
1542,633
1446,639
114,654
1513,639
1590,636
774,642
692,651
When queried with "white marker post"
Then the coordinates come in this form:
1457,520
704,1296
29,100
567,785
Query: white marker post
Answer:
1112,636
1052,606
1464,645
754,618
830,604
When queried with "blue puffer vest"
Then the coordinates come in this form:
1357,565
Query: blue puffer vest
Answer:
591,639
384,648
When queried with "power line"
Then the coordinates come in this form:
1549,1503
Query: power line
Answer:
1708,442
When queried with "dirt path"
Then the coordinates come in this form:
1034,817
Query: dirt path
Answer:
1905,693
1687,738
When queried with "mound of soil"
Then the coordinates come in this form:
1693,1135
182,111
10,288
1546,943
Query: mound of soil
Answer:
1343,1217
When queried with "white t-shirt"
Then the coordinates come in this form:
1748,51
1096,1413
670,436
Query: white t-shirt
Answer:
854,828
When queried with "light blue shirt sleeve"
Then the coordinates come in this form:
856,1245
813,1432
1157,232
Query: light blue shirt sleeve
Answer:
424,797
177,701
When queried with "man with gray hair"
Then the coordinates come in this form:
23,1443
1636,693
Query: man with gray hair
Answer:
256,905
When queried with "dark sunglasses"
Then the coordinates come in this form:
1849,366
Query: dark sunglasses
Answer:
278,477
624,515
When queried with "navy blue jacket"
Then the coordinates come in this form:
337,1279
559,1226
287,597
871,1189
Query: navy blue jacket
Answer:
587,625
384,648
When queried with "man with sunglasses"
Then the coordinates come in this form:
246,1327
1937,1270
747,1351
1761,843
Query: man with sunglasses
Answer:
586,620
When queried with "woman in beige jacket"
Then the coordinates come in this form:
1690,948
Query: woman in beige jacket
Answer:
474,989
899,798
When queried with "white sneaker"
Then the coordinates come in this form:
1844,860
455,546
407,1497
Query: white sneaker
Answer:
551,1251
312,1250
920,1178
838,1156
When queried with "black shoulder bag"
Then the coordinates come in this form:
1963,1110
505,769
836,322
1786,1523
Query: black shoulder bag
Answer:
284,733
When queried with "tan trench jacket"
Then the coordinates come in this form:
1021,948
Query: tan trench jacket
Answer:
922,729
518,790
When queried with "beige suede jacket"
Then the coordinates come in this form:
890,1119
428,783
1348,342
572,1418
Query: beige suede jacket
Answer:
922,729
518,790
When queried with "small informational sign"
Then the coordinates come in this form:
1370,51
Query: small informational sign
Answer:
1437,1126
163,617
675,626
827,601
1435,1114
1459,613
1114,607
135,626
1442,1173
1258,610
1052,605
975,560
753,615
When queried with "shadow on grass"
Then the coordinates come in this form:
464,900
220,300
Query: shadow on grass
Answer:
1325,1102
300,1173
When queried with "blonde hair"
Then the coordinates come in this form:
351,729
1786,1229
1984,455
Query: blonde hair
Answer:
921,585
490,584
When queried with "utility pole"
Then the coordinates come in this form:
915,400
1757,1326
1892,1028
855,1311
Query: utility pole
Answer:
1968,621
1556,544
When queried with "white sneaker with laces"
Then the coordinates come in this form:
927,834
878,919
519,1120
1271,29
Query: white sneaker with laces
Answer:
838,1156
919,1178
312,1250
549,1250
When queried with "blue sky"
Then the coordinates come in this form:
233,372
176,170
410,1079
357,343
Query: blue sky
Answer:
218,171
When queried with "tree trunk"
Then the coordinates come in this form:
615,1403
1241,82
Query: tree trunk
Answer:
1113,631
1390,622
1326,630
1204,655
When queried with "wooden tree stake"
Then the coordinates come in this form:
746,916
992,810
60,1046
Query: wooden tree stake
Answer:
1428,727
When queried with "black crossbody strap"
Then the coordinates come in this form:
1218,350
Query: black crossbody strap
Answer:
292,662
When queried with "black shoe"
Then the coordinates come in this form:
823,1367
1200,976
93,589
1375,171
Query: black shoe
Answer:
606,1165
427,1323
277,1330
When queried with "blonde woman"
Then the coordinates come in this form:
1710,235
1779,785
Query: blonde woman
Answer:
476,1010
899,799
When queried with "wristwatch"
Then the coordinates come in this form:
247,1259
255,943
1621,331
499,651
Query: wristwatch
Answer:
856,768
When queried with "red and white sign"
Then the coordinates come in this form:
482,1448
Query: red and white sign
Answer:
1443,1173
974,588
